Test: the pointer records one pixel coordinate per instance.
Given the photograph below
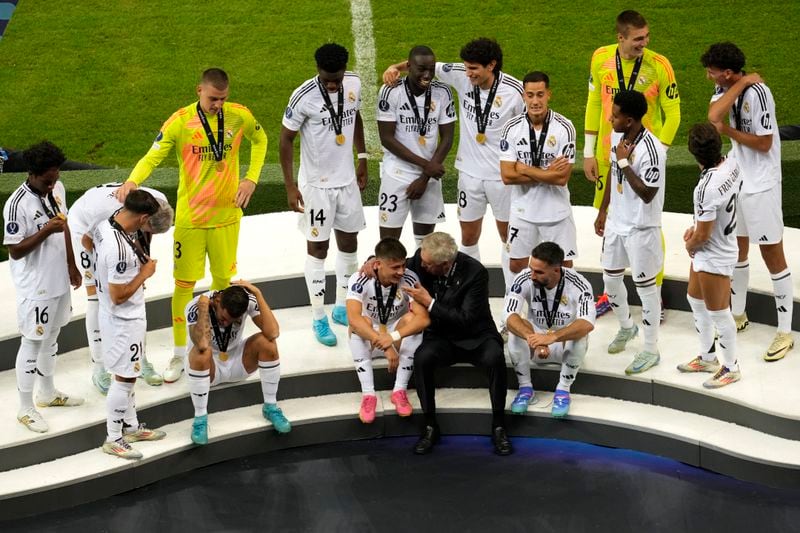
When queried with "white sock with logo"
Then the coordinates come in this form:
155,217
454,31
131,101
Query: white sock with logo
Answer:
783,289
741,279
705,328
315,283
346,265
269,372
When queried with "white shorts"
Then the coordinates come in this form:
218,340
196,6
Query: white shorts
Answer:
702,264
640,249
41,319
123,344
523,236
361,349
474,194
760,216
337,208
394,205
84,259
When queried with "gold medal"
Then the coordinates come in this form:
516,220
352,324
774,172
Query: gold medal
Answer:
220,166
619,188
481,138
422,141
340,139
223,356
382,328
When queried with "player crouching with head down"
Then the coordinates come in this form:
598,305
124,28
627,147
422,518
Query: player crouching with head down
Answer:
561,314
385,321
218,352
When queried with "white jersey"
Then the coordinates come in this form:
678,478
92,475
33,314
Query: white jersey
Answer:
42,274
323,162
760,170
576,301
648,161
715,199
237,326
394,106
96,205
539,203
362,289
481,161
117,263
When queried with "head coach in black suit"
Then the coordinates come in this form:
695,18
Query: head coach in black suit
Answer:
455,289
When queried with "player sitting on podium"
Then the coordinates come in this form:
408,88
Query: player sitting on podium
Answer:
380,314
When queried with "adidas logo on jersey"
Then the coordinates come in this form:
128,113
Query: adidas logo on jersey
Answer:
38,214
522,142
405,107
570,253
763,239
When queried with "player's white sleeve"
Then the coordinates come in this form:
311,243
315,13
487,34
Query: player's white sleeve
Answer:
517,295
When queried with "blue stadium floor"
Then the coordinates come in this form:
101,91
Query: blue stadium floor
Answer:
378,485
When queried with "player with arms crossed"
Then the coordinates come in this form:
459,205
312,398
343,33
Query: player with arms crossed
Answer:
416,121
384,320
42,268
711,243
218,352
561,315
207,136
325,112
122,268
629,220
751,126
488,98
537,151
92,208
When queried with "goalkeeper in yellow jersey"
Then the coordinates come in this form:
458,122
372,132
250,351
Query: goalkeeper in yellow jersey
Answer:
207,136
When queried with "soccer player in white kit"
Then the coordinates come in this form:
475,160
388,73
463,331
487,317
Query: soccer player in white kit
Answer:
711,243
416,122
92,208
629,220
537,151
384,320
122,266
752,128
488,98
560,317
218,352
325,111
42,267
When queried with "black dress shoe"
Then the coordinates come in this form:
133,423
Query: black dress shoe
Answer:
502,445
430,436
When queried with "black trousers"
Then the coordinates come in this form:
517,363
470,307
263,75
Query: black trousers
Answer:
435,352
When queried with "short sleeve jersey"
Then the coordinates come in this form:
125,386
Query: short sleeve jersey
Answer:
96,205
656,81
237,326
206,188
42,274
627,211
715,199
117,263
395,106
576,301
760,170
323,162
539,203
362,288
481,161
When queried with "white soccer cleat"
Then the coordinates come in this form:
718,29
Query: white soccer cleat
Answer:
32,419
59,399
174,369
120,448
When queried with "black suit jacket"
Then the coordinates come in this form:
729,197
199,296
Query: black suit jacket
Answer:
461,312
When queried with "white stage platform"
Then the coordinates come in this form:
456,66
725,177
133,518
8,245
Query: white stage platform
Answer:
749,430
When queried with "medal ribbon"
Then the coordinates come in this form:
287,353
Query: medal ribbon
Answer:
550,314
737,110
423,123
222,337
634,73
620,172
336,116
218,146
482,115
441,286
537,147
384,309
140,246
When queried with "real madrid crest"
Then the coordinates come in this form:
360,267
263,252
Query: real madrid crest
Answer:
384,216
498,102
314,232
433,106
564,299
746,107
40,330
351,97
551,141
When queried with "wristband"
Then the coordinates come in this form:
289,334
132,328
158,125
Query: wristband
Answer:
623,163
590,140
363,155
395,335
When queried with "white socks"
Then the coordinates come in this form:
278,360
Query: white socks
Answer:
362,358
618,297
651,315
117,407
784,299
520,355
93,333
270,374
505,259
25,368
726,327
346,265
705,328
199,385
315,282
741,279
418,239
131,420
574,353
473,251
405,367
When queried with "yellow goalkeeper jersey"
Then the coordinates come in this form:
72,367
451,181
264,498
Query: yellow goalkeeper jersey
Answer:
656,80
206,188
